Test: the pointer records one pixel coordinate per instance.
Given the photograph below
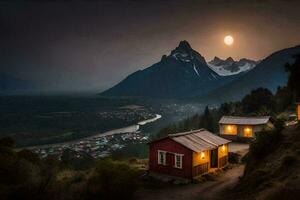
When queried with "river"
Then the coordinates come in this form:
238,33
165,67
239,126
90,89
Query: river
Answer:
127,129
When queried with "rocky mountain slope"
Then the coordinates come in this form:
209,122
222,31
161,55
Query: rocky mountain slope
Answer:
183,73
269,73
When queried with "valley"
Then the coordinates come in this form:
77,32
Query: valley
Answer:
49,125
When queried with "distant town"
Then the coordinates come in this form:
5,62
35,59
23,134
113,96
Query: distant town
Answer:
101,145
97,147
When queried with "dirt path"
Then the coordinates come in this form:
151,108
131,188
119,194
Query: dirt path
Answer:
203,191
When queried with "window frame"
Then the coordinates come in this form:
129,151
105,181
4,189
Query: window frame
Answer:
164,153
176,155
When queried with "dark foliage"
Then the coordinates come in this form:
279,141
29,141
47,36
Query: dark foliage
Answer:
294,74
112,180
266,141
260,100
233,157
23,175
208,120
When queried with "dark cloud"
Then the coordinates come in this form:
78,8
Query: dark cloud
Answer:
91,45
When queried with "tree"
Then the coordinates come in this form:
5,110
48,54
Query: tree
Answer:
283,98
258,100
112,180
207,120
294,74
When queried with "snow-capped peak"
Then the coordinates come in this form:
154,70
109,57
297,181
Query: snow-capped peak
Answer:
230,66
184,52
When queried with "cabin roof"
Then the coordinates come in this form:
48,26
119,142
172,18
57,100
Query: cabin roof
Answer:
244,120
198,140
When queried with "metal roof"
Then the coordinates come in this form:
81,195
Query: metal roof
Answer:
244,120
198,140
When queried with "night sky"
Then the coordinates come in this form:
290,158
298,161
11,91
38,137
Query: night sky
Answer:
92,45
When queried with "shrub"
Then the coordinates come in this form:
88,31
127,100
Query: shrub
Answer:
267,140
233,157
245,158
289,160
112,180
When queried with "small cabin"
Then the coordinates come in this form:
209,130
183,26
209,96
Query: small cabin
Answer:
188,155
243,128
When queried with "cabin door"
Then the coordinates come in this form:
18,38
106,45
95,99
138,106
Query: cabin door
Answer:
170,161
214,158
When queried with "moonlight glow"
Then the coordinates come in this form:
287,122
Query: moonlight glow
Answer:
228,40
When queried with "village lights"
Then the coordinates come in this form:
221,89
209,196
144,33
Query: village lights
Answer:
223,147
202,155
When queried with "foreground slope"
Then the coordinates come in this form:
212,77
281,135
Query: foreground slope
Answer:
273,168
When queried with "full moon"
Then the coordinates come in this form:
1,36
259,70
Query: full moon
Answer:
228,40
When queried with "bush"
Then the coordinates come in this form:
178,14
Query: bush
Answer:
266,141
289,160
245,158
233,157
264,144
112,180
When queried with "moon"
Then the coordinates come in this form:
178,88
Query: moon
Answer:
228,40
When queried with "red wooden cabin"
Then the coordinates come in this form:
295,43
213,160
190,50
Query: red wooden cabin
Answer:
189,154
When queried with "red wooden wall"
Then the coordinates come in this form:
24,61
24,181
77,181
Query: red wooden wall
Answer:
171,147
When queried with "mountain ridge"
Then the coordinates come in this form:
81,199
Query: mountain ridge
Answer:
230,67
183,73
269,73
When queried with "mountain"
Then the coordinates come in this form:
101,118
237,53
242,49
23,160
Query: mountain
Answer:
230,67
269,73
183,73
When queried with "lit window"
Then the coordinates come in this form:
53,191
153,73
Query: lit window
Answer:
230,129
178,161
202,155
161,157
223,148
248,132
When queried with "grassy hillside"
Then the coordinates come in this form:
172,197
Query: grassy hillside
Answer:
272,170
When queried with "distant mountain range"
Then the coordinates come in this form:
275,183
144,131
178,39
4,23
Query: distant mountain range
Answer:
269,73
230,67
183,73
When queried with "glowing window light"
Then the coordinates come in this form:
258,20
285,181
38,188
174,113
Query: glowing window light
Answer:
229,128
202,155
248,131
223,147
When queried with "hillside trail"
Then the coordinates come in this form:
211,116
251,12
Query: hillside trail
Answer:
208,190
